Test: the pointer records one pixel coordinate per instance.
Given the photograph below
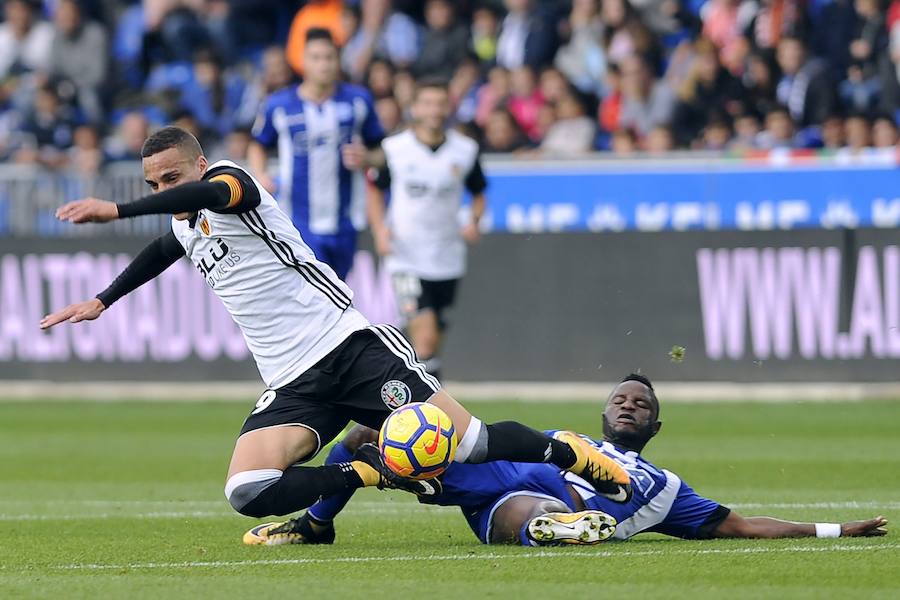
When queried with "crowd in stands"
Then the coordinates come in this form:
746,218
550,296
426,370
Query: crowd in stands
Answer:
83,81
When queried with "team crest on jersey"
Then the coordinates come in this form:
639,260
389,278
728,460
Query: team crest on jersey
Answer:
395,394
204,225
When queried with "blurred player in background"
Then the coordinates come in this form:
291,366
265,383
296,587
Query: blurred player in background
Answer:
327,133
536,504
428,169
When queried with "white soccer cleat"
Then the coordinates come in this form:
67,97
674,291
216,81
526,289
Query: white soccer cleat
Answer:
586,528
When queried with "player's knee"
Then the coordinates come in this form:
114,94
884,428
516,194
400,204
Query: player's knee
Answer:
246,490
359,435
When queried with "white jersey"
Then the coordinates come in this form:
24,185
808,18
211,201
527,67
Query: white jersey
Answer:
426,194
291,308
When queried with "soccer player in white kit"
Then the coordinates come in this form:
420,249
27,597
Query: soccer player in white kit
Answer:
428,169
322,362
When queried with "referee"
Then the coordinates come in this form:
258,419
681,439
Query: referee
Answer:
428,169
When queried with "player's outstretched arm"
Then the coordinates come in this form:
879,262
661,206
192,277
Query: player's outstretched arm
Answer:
158,256
736,526
223,192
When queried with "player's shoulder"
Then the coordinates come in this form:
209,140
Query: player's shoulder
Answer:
349,91
462,141
283,97
398,140
221,167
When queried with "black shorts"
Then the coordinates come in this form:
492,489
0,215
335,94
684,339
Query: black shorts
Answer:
415,295
372,373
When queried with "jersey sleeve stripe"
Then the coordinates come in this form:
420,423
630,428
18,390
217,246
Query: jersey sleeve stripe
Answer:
234,186
286,256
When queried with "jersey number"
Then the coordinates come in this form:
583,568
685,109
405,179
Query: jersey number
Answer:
264,401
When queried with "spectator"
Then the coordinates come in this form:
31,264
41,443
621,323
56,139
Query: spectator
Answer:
572,134
485,27
404,90
463,90
870,39
623,142
804,88
553,85
86,156
779,130
525,100
383,33
776,20
49,129
724,22
175,27
444,44
832,132
857,133
760,81
660,140
884,132
624,34
390,115
583,58
493,94
126,144
275,74
214,98
25,40
380,79
646,102
608,114
237,142
716,136
316,14
746,132
527,36
835,30
79,54
857,92
707,85
502,133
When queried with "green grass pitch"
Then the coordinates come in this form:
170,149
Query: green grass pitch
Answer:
124,500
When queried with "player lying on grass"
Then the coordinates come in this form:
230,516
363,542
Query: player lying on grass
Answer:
506,502
322,362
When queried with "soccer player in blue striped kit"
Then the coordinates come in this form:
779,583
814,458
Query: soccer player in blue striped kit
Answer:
326,133
536,504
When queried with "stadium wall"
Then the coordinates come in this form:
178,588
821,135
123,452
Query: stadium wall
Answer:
761,306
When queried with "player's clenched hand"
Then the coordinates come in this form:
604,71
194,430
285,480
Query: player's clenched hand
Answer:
83,311
89,210
471,233
867,528
354,155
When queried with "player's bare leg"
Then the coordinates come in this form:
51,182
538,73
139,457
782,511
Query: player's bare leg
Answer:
425,334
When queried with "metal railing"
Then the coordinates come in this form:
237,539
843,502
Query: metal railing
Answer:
30,195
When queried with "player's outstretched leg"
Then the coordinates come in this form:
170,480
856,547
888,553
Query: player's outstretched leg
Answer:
262,480
512,441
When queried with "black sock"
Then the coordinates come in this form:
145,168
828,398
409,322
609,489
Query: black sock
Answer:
515,442
300,487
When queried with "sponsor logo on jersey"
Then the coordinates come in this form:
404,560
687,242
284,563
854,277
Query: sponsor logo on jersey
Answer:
395,394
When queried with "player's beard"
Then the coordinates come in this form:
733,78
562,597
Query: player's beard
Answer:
634,439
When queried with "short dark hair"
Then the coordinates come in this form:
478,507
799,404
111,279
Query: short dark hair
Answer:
319,34
171,137
430,83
